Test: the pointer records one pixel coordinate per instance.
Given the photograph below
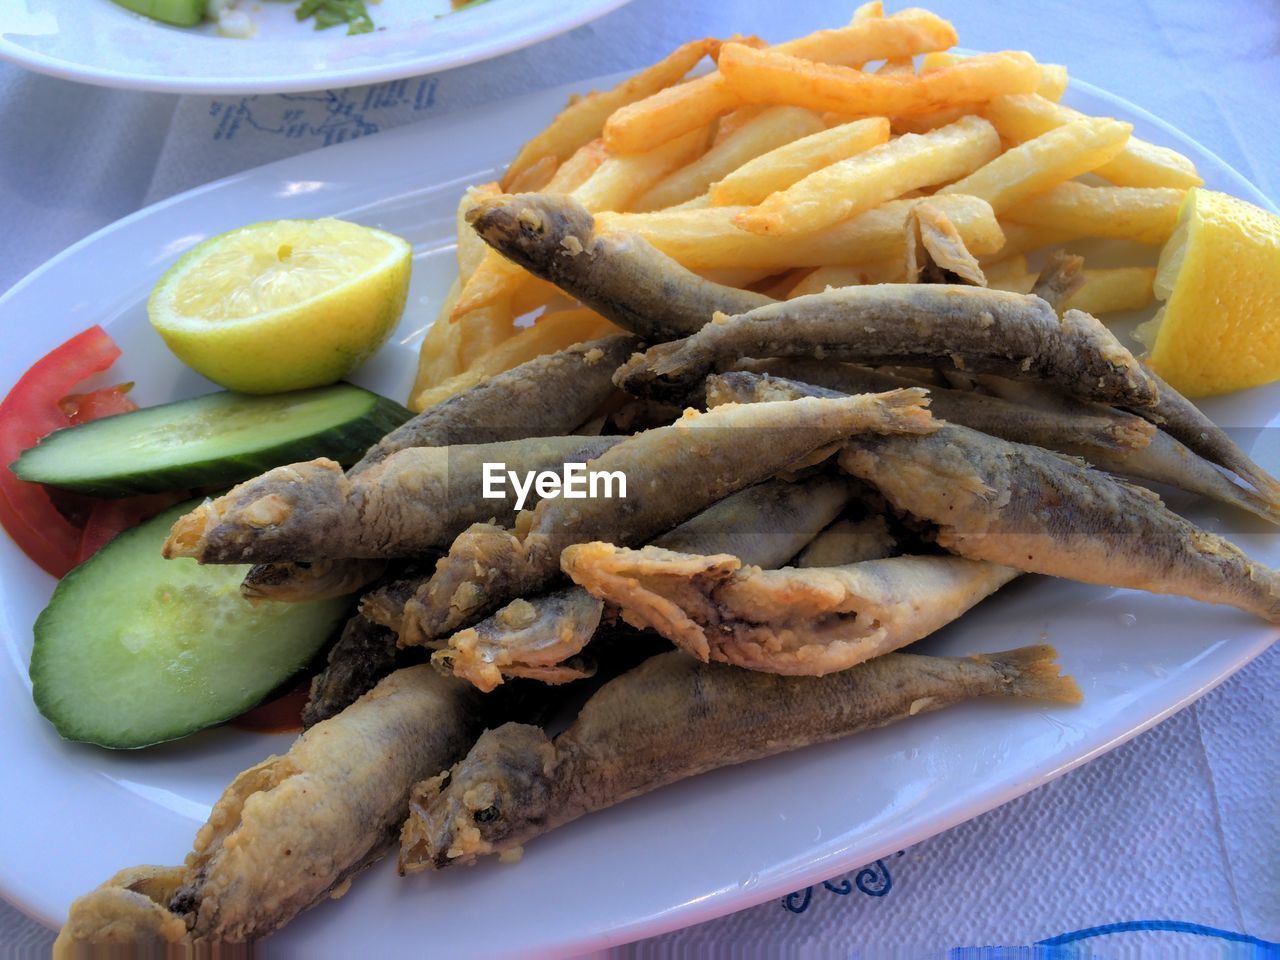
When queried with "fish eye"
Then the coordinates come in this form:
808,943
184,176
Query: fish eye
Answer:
487,815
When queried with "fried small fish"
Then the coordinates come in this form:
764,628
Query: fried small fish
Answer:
849,541
803,622
412,502
764,525
936,252
964,327
1060,277
549,395
362,655
1077,427
619,275
1041,512
489,565
290,831
674,717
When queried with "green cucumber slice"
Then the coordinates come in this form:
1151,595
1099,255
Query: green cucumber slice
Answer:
134,649
210,441
181,13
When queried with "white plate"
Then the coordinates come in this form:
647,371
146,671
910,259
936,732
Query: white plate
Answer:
717,843
96,41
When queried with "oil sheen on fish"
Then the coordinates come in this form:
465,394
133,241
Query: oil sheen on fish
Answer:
291,830
720,452
620,275
414,501
674,717
964,327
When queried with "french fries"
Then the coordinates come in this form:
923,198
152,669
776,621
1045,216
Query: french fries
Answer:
676,110
552,332
827,160
769,76
1049,159
778,169
1113,291
770,128
707,238
583,120
1140,164
1144,214
882,173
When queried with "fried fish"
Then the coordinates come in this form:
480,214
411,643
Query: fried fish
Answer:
675,717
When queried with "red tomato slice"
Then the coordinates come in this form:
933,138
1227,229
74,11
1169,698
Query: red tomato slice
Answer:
110,518
96,404
281,715
29,412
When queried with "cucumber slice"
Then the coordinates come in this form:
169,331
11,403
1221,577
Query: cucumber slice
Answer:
181,13
134,649
210,441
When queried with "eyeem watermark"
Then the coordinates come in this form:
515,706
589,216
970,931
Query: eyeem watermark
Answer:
575,482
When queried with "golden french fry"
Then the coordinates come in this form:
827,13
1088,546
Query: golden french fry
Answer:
1113,291
440,355
1021,117
706,239
1144,214
731,123
867,180
583,120
868,11
1003,269
552,332
471,249
896,67
772,128
767,76
537,294
573,172
1053,76
1022,237
535,176
1049,159
924,122
482,330
668,113
780,168
817,280
621,179
1013,282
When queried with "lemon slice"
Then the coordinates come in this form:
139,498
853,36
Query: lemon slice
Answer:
283,305
1219,274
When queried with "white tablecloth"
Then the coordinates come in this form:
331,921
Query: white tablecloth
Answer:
1181,824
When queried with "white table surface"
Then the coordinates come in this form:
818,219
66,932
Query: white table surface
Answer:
1181,824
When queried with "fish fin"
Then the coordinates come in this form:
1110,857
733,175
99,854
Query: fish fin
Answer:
1033,672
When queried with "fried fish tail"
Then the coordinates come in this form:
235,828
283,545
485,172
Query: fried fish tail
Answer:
619,275
674,717
290,830
962,327
488,566
1182,419
806,622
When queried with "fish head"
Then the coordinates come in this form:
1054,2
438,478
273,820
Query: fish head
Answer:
528,227
491,801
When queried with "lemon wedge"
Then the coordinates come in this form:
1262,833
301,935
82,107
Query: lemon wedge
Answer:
1219,274
283,305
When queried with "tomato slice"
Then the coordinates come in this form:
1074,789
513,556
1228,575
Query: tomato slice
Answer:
281,715
29,412
96,404
109,518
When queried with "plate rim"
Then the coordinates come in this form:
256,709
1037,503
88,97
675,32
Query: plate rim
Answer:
834,861
305,82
